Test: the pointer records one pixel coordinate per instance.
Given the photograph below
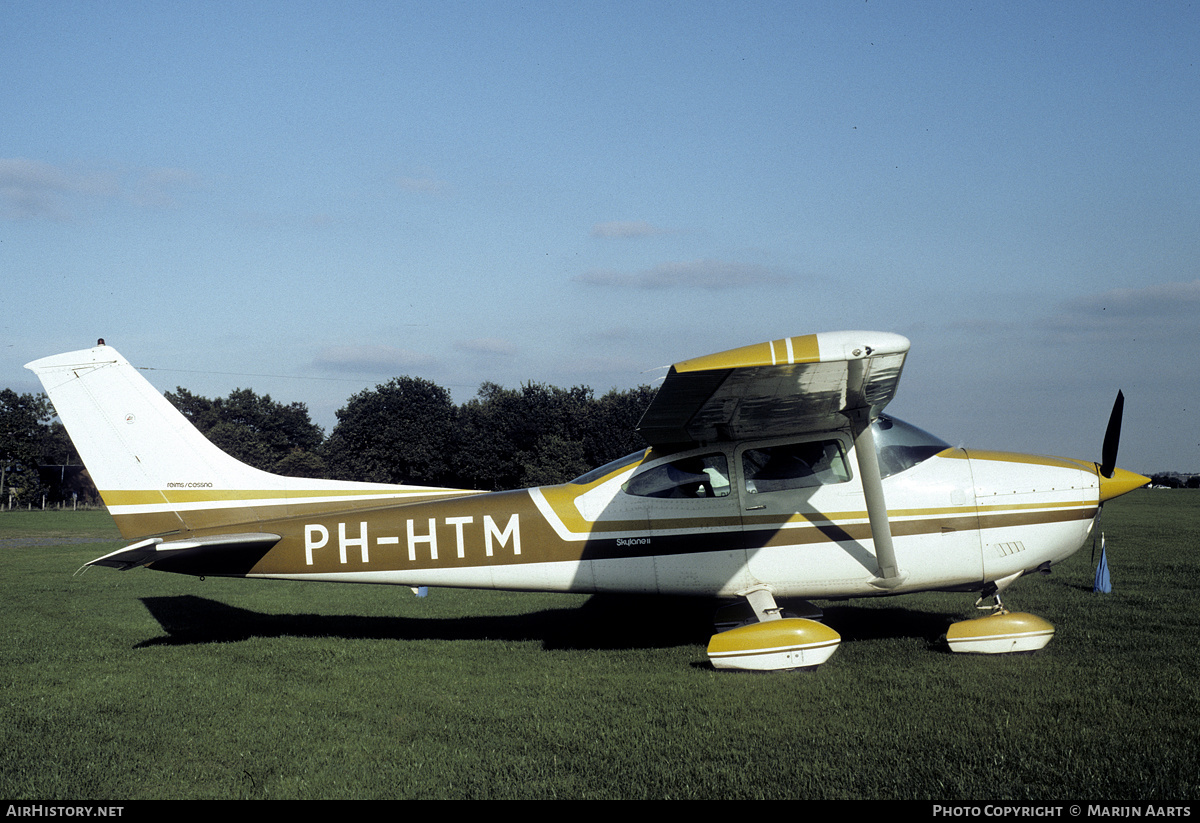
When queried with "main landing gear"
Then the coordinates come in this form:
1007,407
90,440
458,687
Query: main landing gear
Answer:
773,642
764,638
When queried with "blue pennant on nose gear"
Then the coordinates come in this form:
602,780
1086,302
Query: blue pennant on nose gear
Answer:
1102,584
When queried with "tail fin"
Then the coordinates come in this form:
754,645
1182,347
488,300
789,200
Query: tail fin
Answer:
158,474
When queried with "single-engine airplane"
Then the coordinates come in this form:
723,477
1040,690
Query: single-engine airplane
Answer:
771,472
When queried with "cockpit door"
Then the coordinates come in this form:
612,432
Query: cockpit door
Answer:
802,509
695,532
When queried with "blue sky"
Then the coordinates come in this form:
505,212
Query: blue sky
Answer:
309,198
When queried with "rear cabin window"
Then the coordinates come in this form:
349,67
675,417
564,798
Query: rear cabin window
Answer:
689,477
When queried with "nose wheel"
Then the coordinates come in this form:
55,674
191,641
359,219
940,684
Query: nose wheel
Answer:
1001,631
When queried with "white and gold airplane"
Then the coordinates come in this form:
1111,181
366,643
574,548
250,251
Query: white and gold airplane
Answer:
771,473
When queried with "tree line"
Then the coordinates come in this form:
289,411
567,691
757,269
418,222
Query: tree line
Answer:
30,437
407,430
1175,480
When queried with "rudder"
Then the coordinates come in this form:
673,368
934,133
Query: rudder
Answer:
158,474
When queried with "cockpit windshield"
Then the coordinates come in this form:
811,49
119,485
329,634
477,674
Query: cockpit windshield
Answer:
609,468
901,446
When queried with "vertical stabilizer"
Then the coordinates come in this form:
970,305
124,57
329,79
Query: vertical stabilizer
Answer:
158,474
130,437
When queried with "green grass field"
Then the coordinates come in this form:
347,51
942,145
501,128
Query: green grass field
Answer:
123,686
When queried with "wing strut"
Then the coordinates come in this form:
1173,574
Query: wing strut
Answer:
889,574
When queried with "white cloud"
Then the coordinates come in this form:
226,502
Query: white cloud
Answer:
423,185
158,188
35,190
626,228
489,346
1159,300
710,275
371,360
1166,313
31,189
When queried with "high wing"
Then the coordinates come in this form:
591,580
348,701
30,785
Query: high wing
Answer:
816,382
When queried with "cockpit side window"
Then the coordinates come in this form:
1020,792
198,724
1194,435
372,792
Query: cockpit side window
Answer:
794,465
700,476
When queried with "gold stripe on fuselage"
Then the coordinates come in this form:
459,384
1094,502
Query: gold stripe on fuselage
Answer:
510,528
1015,457
169,497
146,512
327,532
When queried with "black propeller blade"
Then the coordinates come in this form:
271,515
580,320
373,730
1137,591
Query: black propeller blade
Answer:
1112,437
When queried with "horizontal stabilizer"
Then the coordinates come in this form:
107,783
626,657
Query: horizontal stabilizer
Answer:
154,549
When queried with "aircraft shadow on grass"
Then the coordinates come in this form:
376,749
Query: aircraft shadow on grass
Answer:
603,622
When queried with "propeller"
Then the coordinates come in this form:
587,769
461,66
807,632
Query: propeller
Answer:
1113,483
1112,437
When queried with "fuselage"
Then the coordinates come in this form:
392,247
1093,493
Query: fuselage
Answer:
752,484
719,520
